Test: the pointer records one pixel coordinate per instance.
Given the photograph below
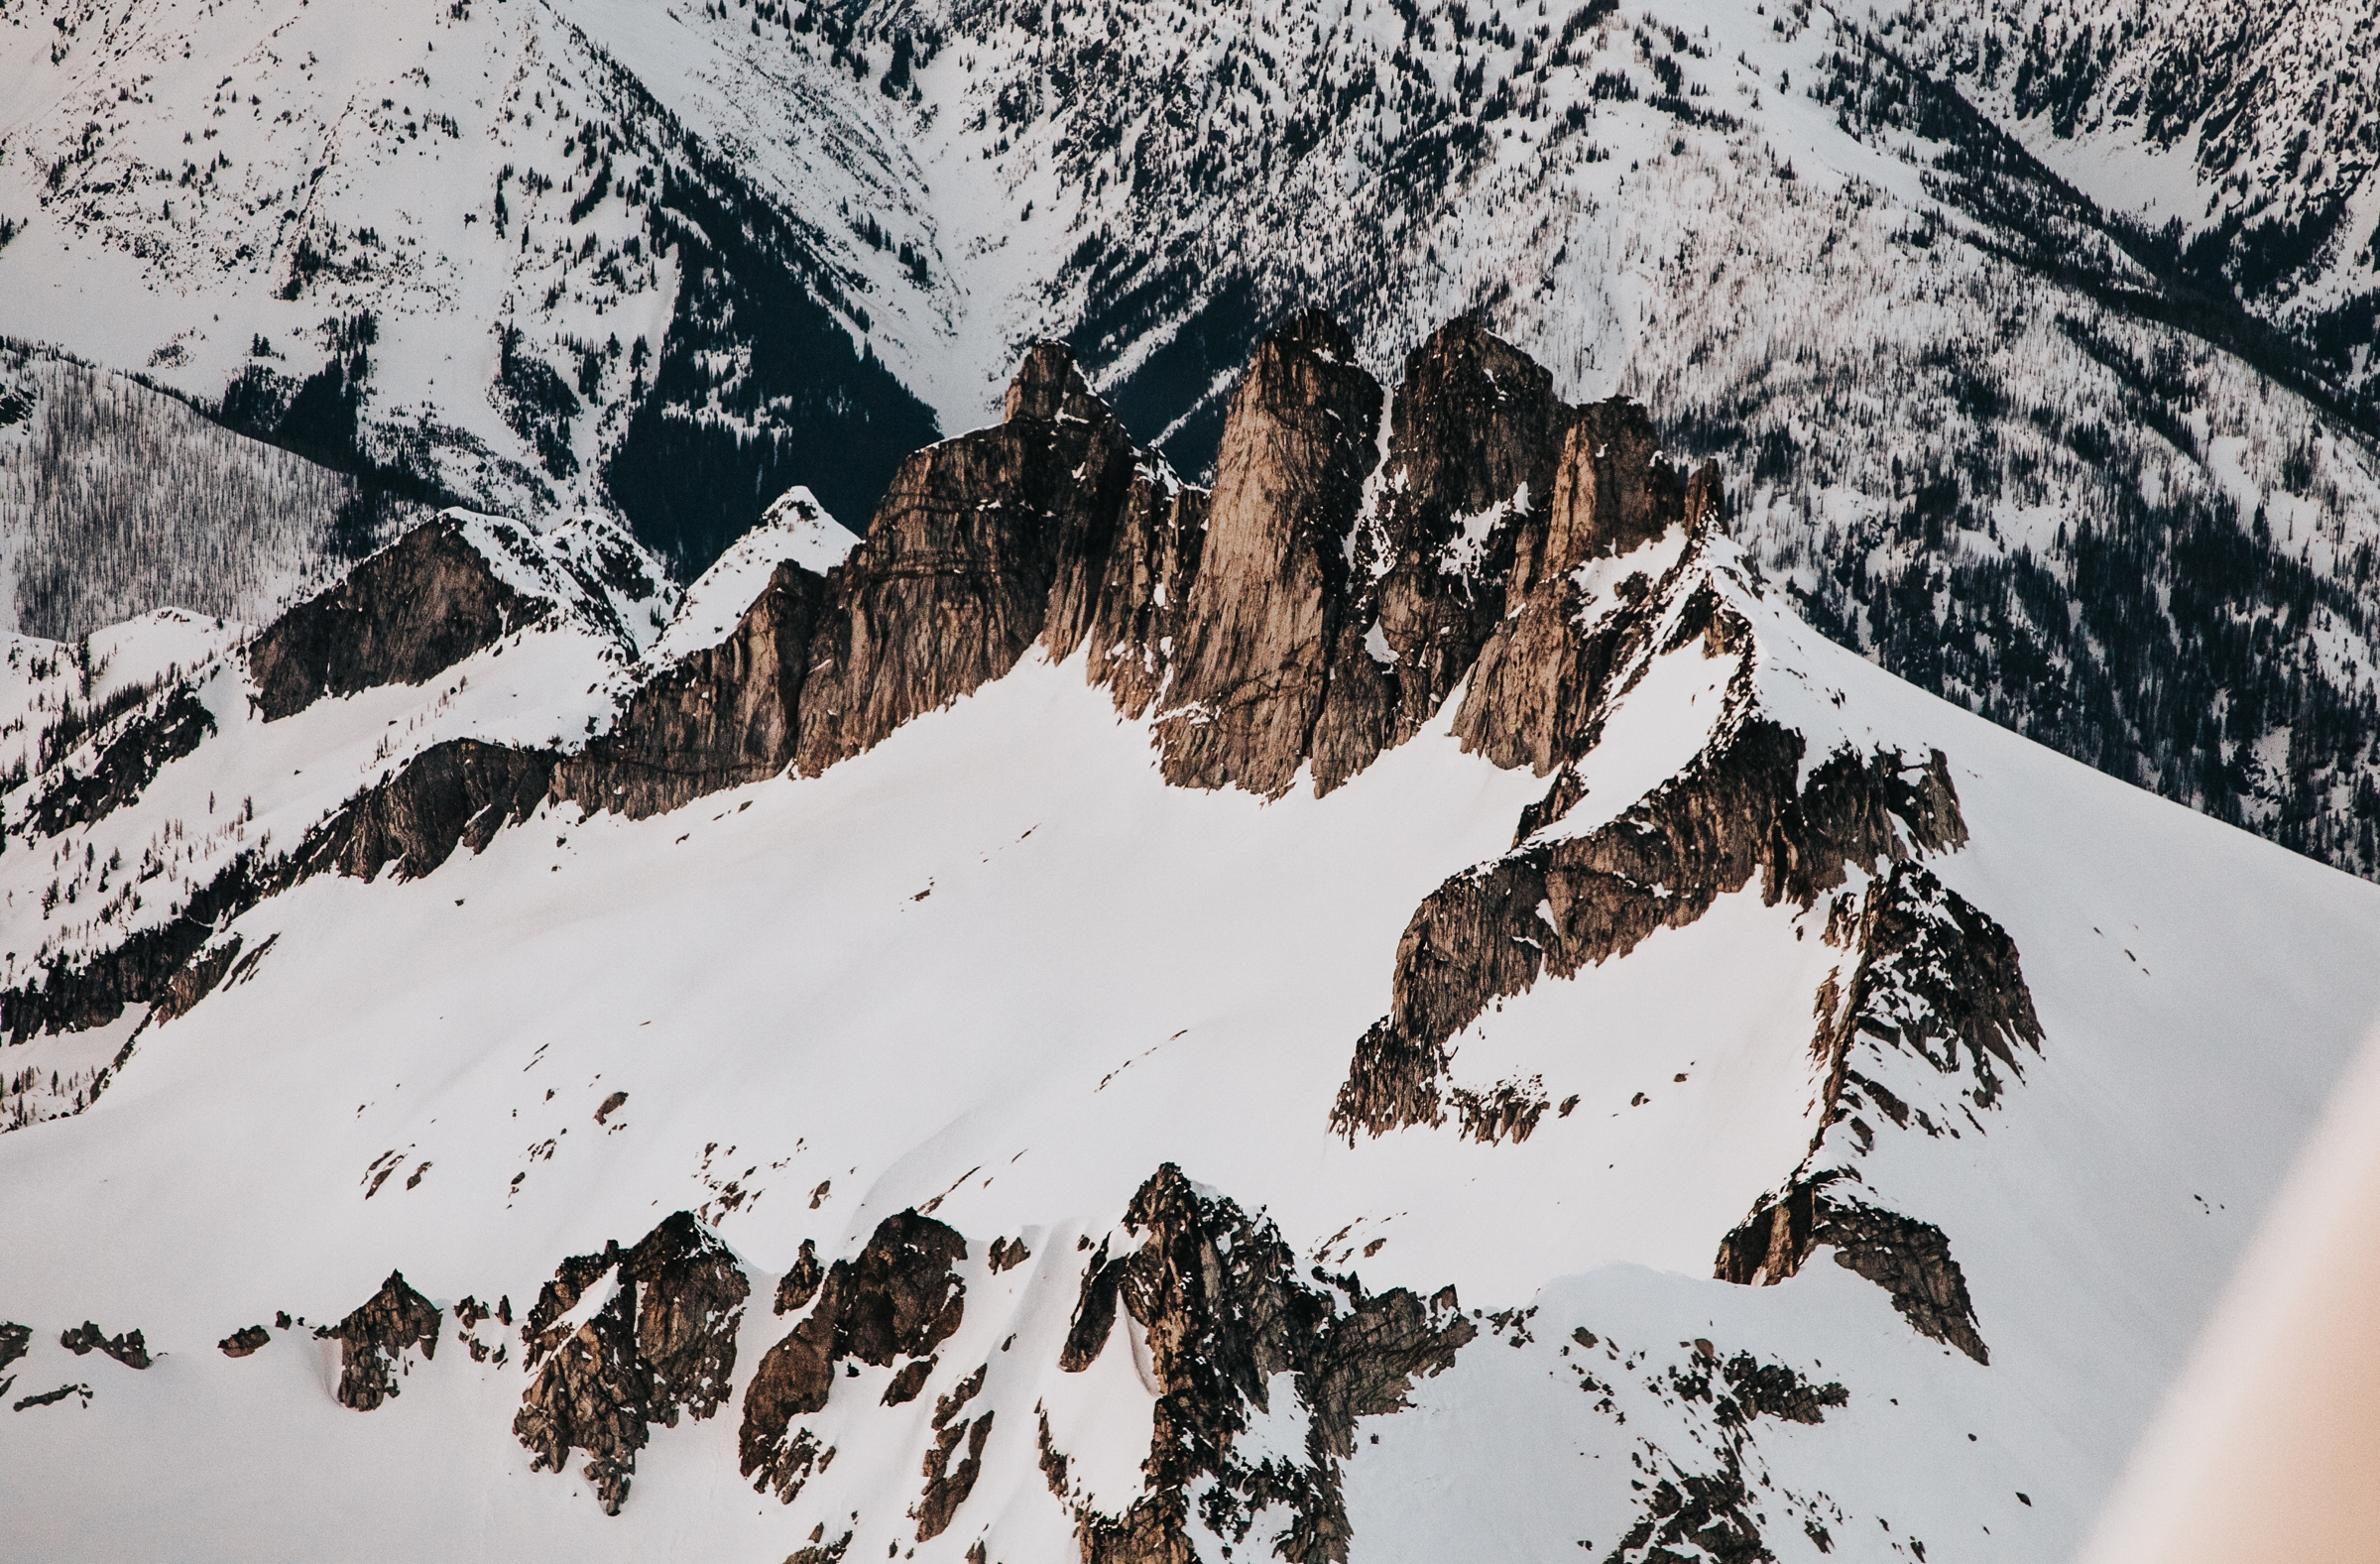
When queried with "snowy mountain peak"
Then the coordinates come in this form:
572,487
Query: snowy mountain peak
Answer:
1120,1019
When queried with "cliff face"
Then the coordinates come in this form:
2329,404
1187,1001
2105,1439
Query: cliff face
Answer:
406,614
1265,613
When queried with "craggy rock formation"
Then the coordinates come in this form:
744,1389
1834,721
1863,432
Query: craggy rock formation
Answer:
1935,972
947,1484
127,1349
1556,907
373,1341
800,1285
242,1342
664,1338
460,794
1270,594
901,1297
1720,1512
981,545
1908,1259
1933,976
166,730
196,980
1218,1295
1339,608
1546,675
403,616
15,1341
717,719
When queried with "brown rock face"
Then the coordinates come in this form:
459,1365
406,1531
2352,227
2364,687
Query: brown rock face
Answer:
664,1340
900,1296
374,1339
1219,1297
403,616
1910,1259
1737,811
1474,432
460,794
720,718
1270,594
1543,680
981,545
127,1348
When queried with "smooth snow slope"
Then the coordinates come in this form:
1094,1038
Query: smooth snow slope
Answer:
997,963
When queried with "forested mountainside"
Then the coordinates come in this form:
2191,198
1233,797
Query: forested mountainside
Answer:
116,498
1083,1023
2043,381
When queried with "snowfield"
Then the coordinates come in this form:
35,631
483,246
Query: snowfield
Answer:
995,970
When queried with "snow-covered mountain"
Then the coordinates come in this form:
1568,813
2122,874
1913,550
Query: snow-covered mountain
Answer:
2037,339
1089,1019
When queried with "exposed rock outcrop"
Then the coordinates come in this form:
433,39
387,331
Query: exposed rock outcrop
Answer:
196,980
246,1340
981,545
1217,1294
1554,908
1938,984
460,794
374,1339
718,719
1936,975
1546,676
663,1340
127,1347
401,616
167,729
800,1283
1474,432
1910,1259
70,998
15,1341
949,1481
1271,590
901,1297
1710,1494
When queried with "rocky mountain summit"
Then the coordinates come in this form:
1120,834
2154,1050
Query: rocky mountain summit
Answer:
1440,832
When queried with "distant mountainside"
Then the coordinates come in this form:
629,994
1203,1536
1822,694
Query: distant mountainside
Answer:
1082,1024
2038,339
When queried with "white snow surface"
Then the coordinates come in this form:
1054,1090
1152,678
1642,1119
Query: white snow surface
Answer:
997,964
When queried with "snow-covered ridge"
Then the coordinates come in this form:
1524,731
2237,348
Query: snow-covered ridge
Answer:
932,1146
795,529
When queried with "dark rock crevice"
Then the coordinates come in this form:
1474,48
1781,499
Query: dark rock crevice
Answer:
458,793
